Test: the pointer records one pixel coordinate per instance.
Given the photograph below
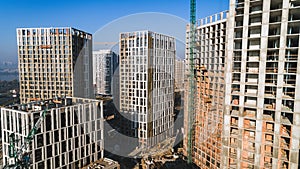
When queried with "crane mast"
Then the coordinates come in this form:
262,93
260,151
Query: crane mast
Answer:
191,80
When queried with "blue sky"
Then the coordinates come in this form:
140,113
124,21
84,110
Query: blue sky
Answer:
88,15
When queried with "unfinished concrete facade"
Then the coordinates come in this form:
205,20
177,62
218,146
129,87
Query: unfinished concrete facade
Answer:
147,62
209,96
262,99
105,63
54,62
70,136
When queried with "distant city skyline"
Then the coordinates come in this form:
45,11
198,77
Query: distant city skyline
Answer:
92,15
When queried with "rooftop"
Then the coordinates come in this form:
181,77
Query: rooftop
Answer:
39,105
103,163
218,17
135,33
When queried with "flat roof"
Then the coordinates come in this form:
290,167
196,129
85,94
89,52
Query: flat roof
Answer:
102,163
38,105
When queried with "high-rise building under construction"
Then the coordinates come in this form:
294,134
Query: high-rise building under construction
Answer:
54,62
105,63
260,122
209,63
179,75
147,61
262,106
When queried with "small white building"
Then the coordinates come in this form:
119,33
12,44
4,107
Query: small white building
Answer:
103,163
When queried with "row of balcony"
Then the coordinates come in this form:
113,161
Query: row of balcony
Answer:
273,43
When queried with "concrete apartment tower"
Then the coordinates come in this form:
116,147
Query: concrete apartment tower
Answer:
147,62
54,62
209,92
262,98
179,74
70,136
105,63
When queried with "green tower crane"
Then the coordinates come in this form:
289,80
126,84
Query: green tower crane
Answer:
21,157
191,80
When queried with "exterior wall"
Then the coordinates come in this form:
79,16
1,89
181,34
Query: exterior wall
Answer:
147,61
261,121
70,136
179,75
54,62
105,63
209,62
